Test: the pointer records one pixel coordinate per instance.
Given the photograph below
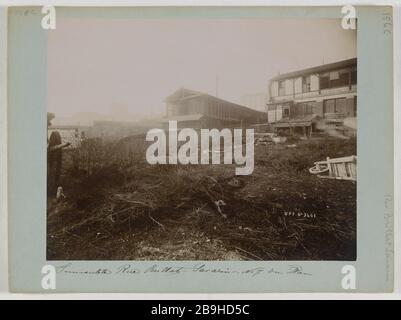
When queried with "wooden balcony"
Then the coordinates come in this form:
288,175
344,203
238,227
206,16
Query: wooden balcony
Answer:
315,94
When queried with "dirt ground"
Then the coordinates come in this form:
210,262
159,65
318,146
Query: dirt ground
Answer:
205,212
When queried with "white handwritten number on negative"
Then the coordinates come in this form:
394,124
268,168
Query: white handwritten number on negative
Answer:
49,279
348,281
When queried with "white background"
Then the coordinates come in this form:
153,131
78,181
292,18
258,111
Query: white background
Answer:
4,294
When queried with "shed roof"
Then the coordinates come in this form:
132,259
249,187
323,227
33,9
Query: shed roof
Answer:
185,94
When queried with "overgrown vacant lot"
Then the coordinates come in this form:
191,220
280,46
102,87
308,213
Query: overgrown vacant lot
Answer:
205,212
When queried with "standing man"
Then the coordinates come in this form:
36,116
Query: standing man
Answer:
54,158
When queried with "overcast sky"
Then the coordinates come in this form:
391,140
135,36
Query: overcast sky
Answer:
95,65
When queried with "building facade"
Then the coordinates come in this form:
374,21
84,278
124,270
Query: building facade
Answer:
197,110
322,98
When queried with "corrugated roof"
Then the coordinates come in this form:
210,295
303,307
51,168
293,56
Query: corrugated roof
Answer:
321,68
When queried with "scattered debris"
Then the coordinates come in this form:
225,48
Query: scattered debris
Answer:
320,167
219,204
343,168
235,183
279,139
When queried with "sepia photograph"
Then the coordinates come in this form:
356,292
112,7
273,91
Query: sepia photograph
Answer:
201,139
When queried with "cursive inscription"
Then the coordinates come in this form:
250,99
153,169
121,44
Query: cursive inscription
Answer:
130,269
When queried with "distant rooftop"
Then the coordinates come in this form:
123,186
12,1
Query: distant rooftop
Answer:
185,94
321,68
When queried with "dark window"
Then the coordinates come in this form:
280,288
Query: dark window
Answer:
286,112
306,84
353,77
329,106
305,108
341,106
335,79
324,82
334,106
281,88
309,108
343,79
338,79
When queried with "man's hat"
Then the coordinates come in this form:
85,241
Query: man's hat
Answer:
50,117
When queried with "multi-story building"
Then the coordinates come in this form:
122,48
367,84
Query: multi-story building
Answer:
322,98
193,109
